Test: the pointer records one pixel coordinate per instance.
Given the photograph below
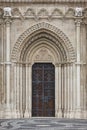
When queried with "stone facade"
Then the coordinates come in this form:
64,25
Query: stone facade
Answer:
31,29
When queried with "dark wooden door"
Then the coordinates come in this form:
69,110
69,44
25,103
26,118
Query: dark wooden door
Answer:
43,90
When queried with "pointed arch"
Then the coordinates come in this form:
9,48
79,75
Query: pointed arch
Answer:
44,31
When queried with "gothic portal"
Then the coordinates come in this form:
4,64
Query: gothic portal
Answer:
43,48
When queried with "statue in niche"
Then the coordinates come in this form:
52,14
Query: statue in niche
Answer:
78,12
7,11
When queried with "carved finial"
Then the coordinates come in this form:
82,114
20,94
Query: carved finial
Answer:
78,12
7,12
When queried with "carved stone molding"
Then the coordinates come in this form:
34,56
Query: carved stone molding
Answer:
41,13
46,1
65,41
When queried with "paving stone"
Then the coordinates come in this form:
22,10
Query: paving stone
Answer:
43,124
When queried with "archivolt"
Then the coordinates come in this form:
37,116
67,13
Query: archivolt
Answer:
47,31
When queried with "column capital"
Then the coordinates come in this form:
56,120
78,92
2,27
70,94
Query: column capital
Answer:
8,21
85,21
58,64
7,15
1,21
78,21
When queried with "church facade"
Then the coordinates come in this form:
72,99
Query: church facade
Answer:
43,63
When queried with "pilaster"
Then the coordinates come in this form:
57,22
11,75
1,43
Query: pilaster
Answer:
78,21
7,19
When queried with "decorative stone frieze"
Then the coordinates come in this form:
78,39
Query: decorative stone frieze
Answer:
41,1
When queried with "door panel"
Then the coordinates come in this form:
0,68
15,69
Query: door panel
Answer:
43,90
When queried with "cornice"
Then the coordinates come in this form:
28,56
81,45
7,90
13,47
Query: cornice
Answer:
43,1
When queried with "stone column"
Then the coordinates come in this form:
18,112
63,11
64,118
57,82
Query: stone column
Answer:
21,89
74,89
17,91
8,64
27,92
68,90
56,90
78,42
71,92
65,90
30,90
59,91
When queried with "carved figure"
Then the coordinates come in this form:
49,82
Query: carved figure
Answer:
78,12
7,11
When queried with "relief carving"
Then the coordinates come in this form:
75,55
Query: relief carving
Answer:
70,12
7,11
43,55
16,12
29,12
78,12
43,13
56,12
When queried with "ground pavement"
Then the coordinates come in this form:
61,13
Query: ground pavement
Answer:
43,124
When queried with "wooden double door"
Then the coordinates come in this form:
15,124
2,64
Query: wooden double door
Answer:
43,90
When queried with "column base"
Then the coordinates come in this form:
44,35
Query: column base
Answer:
26,114
7,114
84,114
71,114
78,114
14,114
59,114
